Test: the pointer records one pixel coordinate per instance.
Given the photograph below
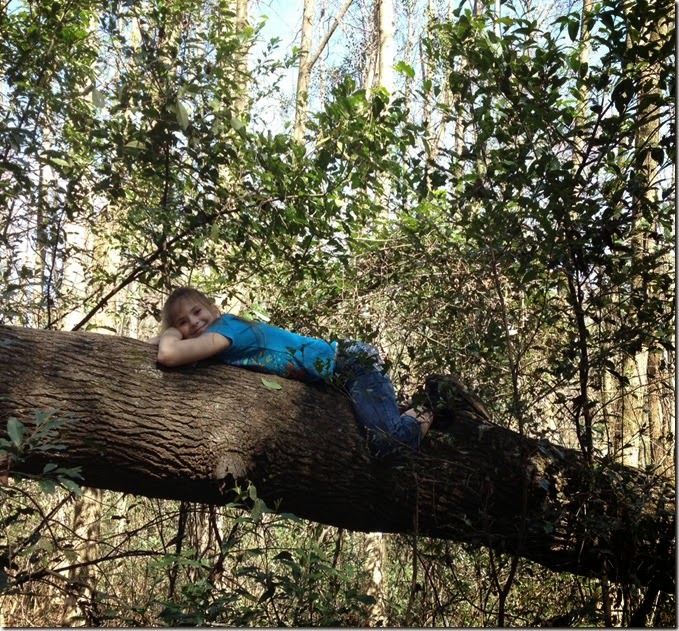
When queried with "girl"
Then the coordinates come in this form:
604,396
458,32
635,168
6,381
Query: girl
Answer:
194,329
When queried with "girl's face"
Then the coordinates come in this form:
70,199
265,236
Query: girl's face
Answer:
193,318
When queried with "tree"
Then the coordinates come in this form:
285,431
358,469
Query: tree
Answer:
639,424
385,53
196,433
307,61
304,72
527,253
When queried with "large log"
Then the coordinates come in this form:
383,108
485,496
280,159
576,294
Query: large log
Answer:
193,433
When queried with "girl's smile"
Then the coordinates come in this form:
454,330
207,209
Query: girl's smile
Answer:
193,319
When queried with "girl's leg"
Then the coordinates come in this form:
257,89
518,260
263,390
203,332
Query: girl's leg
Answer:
374,399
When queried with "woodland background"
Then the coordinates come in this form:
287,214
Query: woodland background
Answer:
479,189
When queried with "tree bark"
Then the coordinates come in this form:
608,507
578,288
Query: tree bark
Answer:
385,29
307,61
304,72
193,433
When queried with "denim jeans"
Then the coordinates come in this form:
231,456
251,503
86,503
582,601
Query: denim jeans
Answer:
359,370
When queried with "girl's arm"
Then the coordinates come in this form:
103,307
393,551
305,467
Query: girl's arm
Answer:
175,351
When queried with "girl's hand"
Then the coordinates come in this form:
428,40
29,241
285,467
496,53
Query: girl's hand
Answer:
171,333
175,351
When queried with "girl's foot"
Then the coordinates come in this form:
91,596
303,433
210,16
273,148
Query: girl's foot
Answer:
424,417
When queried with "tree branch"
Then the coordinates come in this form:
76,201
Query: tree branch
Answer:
195,433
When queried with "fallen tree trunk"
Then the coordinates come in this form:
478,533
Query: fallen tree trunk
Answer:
193,433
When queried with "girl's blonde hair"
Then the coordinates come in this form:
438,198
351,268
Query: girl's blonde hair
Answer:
177,297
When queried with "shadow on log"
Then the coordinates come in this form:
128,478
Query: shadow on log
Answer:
193,433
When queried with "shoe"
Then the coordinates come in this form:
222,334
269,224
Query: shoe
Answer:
449,400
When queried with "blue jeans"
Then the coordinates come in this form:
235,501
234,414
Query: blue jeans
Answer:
359,370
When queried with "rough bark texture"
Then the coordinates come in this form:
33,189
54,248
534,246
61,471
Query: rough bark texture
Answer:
191,433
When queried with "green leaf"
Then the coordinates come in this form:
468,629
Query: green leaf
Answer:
273,385
259,314
239,126
4,580
258,509
46,485
268,594
16,430
182,115
573,29
71,486
402,66
70,472
284,556
59,162
98,99
42,417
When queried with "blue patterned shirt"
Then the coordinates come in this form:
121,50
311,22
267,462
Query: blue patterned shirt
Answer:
266,348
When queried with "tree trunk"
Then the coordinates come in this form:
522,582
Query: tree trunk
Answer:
304,72
82,576
191,433
386,48
640,417
307,61
375,554
242,22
